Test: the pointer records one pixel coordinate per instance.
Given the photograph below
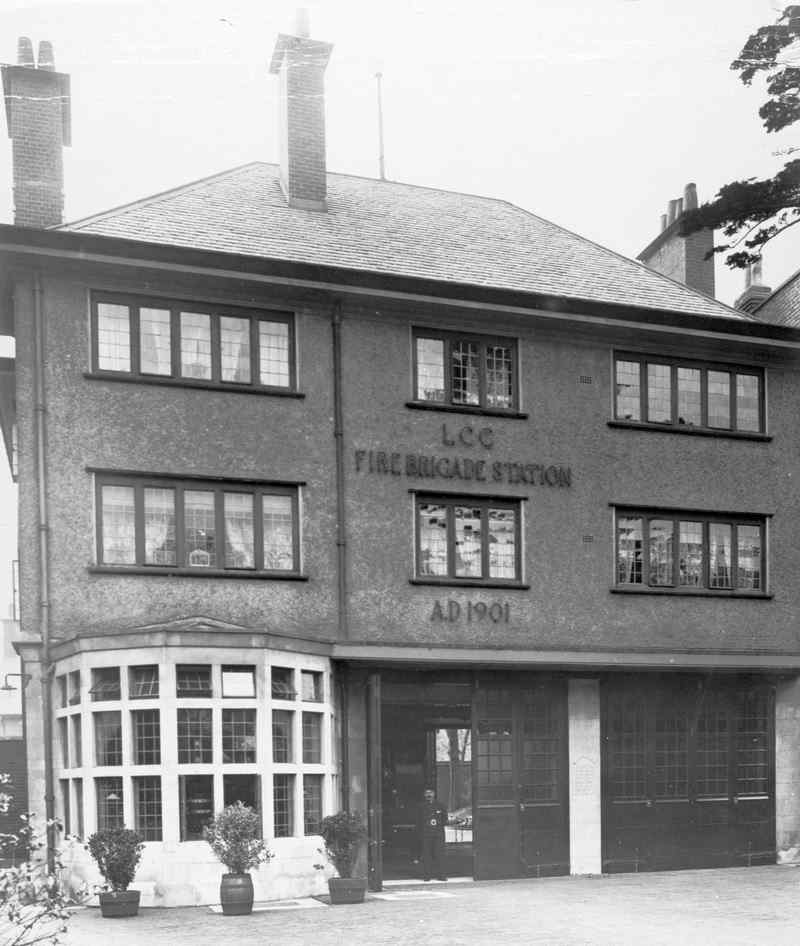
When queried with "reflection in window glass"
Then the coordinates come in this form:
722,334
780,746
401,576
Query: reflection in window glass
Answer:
502,543
119,525
499,392
629,551
282,683
113,337
312,737
109,803
159,526
312,804
155,341
234,340
469,537
465,373
690,565
239,546
108,738
659,394
273,340
238,735
689,400
282,735
430,369
748,402
661,539
147,807
432,539
239,681
311,686
719,555
719,399
194,736
628,390
278,532
748,556
143,682
146,728
195,345
283,805
196,805
199,528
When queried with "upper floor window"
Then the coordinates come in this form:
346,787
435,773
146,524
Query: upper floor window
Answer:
470,371
192,343
690,552
469,538
188,525
685,394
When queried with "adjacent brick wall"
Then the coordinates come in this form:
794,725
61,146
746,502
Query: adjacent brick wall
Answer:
683,258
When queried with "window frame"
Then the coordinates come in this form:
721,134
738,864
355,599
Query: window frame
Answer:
707,519
139,482
482,341
216,312
485,503
643,359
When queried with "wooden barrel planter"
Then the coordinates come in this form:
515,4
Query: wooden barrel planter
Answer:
236,894
115,903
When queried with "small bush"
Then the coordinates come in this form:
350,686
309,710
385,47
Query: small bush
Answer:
233,836
343,834
117,852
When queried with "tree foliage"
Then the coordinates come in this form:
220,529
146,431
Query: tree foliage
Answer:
117,852
751,212
234,837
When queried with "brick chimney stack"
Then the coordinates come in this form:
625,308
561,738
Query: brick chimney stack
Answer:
300,62
38,114
682,258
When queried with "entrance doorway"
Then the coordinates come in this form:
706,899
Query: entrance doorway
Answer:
688,773
494,747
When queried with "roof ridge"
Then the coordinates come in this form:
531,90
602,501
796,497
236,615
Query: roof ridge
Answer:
734,313
153,198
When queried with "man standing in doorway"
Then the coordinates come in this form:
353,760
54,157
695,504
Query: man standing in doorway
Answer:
431,822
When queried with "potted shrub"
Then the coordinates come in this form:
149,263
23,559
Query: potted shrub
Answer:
234,837
343,834
117,852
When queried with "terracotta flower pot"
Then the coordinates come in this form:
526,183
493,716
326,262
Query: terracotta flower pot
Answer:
114,903
236,894
347,889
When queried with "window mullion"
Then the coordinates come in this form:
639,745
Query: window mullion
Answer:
258,530
451,540
138,519
180,528
216,348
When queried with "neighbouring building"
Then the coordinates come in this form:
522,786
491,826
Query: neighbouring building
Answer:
333,487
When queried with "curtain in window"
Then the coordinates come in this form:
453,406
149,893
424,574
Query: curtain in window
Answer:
234,338
119,525
155,354
238,530
278,532
159,526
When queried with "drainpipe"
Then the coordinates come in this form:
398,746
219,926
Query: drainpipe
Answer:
40,412
341,544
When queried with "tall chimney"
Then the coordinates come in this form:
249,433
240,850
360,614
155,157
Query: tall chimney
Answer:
682,257
299,62
38,116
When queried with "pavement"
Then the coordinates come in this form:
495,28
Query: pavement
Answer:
734,907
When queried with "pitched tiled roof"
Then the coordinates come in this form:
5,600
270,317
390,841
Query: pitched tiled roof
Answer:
783,306
397,229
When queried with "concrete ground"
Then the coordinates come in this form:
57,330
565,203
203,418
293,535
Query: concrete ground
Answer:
680,908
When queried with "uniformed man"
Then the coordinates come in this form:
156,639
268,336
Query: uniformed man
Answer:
432,819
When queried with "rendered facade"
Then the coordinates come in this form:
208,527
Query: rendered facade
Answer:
332,488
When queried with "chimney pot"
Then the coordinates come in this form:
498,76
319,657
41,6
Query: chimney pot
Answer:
302,23
672,211
690,197
25,52
46,60
663,222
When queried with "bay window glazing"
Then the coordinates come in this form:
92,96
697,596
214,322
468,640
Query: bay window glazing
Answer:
690,552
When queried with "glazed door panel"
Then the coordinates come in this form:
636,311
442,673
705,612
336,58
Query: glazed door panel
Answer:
520,787
688,769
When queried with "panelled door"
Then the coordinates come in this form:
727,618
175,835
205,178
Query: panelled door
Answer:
688,767
520,777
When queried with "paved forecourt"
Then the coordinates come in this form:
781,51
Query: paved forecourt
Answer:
730,907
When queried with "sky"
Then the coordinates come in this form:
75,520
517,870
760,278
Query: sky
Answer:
591,113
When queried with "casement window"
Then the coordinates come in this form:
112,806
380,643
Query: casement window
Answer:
188,343
193,681
110,814
143,682
468,539
147,807
146,730
688,395
688,552
465,371
107,738
105,684
194,526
